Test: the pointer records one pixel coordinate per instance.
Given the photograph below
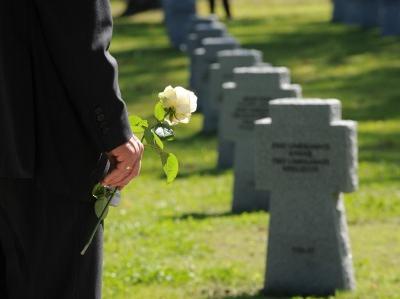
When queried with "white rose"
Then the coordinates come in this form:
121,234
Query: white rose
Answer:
180,102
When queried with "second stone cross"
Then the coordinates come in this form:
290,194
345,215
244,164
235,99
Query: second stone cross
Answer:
244,101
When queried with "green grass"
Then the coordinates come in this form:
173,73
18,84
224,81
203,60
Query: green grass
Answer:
180,241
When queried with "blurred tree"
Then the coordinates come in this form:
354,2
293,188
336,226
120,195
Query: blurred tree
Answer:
136,6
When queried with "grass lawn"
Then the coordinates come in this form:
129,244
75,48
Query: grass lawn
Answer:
180,241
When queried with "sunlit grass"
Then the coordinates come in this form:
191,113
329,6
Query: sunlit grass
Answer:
180,241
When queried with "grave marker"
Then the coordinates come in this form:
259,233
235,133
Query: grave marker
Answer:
203,58
306,156
195,41
339,10
218,73
202,31
370,13
178,15
354,12
390,17
198,20
244,101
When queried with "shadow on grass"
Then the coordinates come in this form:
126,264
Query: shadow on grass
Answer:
199,138
185,172
367,95
202,216
124,27
252,297
147,62
372,94
259,295
386,144
333,44
205,216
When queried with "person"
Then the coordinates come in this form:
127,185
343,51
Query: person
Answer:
60,111
226,7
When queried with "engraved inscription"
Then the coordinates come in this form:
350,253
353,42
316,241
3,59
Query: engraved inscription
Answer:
300,156
250,109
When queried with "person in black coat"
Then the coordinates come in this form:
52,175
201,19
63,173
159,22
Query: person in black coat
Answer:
226,7
60,112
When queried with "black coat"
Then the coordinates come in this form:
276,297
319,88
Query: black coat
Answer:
60,104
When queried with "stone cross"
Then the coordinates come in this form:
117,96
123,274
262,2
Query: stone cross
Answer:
390,17
218,73
370,13
305,157
202,31
198,20
204,57
244,101
178,15
353,12
339,10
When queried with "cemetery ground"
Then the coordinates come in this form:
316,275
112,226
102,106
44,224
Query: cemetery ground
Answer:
180,241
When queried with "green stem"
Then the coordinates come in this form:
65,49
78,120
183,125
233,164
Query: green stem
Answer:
98,222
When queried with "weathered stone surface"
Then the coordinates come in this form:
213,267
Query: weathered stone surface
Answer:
353,13
370,13
201,31
194,42
178,15
339,10
218,73
197,20
306,156
203,58
245,100
390,17
194,21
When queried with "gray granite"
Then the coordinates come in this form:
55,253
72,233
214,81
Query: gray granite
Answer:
194,21
201,20
218,73
203,58
370,13
244,101
201,31
353,12
339,10
194,42
390,17
225,157
306,156
178,16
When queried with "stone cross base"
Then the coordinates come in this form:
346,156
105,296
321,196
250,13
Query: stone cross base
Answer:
308,245
306,156
226,150
245,196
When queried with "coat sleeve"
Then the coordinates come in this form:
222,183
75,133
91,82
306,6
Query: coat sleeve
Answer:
78,34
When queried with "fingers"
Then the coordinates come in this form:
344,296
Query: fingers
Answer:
128,158
138,146
135,172
122,170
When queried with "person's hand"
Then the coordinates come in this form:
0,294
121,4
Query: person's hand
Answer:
127,159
